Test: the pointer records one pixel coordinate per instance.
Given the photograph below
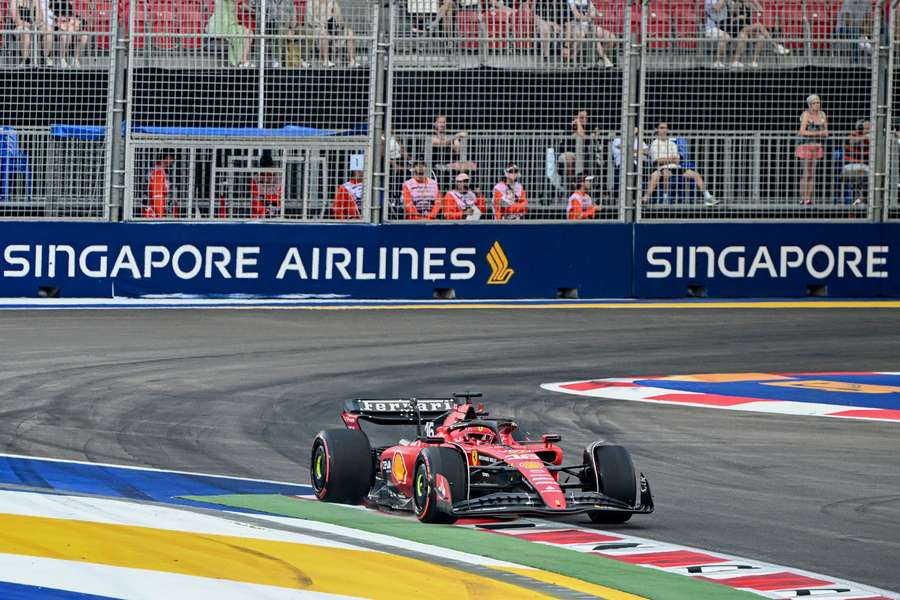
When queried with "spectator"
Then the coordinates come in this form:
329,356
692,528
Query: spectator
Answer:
510,202
582,14
579,127
421,196
266,190
855,21
224,23
581,206
446,150
550,17
666,158
69,24
615,148
158,199
813,128
462,203
749,17
397,154
347,204
856,161
718,28
326,19
32,16
281,20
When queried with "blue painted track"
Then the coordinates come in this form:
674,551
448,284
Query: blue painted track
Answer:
130,483
764,390
15,591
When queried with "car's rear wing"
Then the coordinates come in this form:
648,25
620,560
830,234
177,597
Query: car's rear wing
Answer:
400,411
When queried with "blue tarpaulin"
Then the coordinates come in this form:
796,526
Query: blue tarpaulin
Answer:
92,133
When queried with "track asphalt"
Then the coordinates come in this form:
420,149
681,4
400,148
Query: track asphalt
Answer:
242,393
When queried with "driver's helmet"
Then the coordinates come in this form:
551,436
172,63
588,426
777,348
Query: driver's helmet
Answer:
479,434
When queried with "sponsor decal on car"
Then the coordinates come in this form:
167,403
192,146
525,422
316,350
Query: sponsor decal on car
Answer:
398,468
474,458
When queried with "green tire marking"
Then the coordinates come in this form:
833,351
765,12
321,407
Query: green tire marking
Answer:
643,581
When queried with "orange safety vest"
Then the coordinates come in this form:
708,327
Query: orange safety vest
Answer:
421,200
456,204
265,201
581,206
509,201
348,200
157,206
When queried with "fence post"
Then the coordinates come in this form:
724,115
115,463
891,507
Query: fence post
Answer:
118,102
261,68
879,109
376,183
632,100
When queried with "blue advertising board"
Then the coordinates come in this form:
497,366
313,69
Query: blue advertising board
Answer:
767,260
340,260
105,260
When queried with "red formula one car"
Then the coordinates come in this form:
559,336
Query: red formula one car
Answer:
463,463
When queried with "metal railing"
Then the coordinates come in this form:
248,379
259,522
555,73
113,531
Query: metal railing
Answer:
373,81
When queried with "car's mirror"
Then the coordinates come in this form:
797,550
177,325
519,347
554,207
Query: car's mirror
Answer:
551,438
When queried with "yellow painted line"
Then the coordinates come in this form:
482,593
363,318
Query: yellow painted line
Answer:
588,305
725,377
571,583
358,573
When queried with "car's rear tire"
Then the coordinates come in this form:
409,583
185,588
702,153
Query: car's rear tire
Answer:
617,477
432,463
341,466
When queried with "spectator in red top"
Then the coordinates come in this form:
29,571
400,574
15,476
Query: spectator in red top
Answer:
421,196
856,161
509,196
157,205
266,190
347,204
581,206
462,203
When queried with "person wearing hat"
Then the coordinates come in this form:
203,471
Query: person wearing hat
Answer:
462,203
347,205
509,196
421,196
266,190
581,206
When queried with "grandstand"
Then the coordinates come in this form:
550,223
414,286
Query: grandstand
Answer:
312,83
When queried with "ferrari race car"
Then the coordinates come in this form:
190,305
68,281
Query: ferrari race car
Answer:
463,463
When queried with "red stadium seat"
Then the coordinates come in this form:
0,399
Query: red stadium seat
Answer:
659,25
497,23
785,20
687,22
163,19
611,16
821,16
523,26
193,21
467,28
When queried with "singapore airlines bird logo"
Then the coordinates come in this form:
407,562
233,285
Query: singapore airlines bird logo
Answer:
500,271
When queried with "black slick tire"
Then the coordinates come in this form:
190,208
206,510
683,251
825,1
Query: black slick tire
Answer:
341,466
616,474
432,462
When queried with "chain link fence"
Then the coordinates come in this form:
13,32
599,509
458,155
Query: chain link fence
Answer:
527,111
758,110
243,110
55,109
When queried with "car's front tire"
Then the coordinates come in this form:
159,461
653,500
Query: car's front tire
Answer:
613,468
341,466
440,479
